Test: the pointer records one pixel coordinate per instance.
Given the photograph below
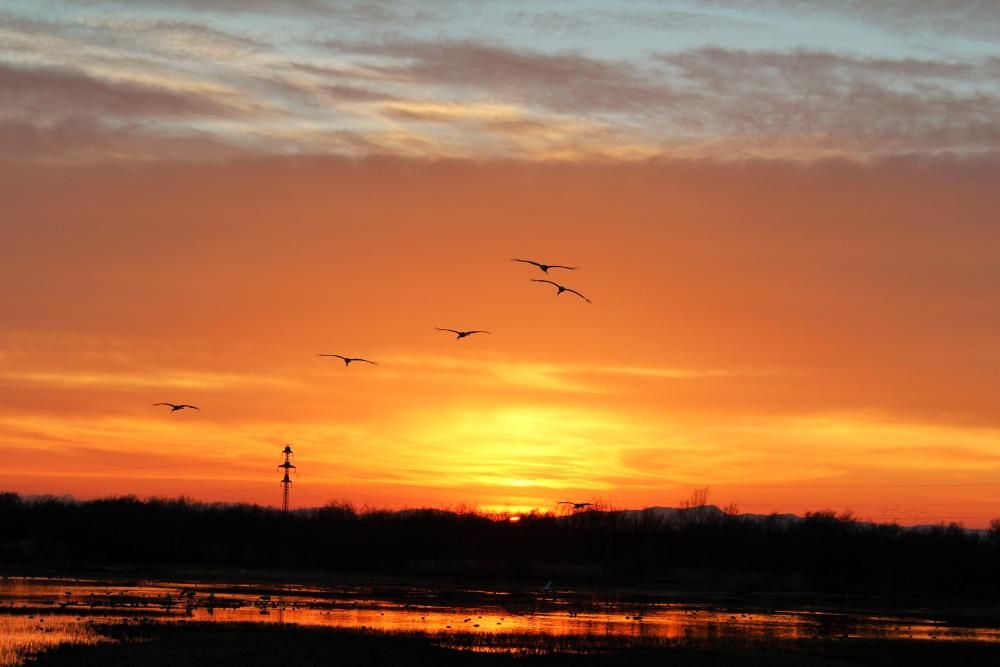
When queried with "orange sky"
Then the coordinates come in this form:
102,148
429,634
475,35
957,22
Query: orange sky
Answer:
794,336
785,214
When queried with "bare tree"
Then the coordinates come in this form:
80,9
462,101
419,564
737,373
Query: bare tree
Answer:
698,498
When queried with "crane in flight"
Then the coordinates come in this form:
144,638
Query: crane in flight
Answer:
459,335
545,267
561,288
175,407
576,506
348,360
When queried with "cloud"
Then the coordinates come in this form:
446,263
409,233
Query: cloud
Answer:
43,91
387,12
447,113
227,6
969,18
165,380
173,37
566,377
706,102
342,93
820,98
810,70
376,84
826,446
561,82
136,34
77,139
609,23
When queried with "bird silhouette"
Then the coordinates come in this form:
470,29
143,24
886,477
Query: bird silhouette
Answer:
175,407
576,506
459,335
545,267
348,360
562,288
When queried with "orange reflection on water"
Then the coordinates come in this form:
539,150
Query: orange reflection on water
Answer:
659,623
496,617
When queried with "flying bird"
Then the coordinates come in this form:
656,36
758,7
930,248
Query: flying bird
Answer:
348,360
461,334
562,288
175,408
576,506
545,267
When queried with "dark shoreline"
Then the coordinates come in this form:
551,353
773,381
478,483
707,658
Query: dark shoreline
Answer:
193,644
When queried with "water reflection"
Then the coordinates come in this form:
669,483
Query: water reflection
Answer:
67,604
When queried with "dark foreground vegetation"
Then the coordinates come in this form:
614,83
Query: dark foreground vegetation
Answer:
694,549
249,645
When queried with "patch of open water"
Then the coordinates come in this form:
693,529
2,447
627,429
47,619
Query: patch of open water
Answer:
39,612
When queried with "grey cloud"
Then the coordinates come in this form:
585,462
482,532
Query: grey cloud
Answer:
181,35
135,34
82,139
805,98
49,90
970,18
899,104
385,12
343,93
600,22
815,68
569,82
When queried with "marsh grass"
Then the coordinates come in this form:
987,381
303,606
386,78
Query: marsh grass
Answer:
22,636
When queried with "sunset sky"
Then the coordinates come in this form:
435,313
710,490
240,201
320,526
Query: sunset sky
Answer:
785,213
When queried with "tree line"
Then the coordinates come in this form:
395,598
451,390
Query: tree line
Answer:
822,552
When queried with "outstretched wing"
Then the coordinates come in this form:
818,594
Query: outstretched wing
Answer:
542,280
191,406
339,356
451,330
168,404
578,294
469,333
527,261
367,361
560,266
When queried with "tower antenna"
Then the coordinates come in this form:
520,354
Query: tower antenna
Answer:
286,483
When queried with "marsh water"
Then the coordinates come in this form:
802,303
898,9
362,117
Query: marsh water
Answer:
38,612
